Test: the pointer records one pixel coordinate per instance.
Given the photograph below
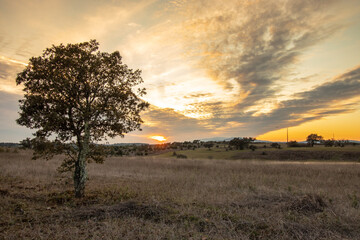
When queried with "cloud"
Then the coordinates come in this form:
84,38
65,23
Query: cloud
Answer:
171,123
343,87
211,68
9,96
255,43
339,96
253,47
132,24
199,95
9,130
8,71
28,27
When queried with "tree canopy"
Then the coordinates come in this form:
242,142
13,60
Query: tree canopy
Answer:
76,96
312,138
241,143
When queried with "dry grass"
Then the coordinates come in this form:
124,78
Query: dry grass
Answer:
154,198
318,153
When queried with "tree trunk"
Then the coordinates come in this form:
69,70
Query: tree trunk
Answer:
80,174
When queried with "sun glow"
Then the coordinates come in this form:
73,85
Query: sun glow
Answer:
159,138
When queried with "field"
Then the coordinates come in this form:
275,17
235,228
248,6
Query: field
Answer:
159,197
318,153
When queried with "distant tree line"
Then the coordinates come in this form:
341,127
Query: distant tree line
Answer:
315,139
232,145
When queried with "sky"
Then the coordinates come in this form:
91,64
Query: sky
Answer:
247,68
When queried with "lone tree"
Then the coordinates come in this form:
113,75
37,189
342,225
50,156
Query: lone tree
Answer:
312,138
76,96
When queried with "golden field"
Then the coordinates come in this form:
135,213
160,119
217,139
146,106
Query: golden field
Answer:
168,198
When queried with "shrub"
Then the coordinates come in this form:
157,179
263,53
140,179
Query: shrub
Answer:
275,145
208,145
329,143
252,147
296,144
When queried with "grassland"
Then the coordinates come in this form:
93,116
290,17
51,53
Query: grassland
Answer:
317,153
170,198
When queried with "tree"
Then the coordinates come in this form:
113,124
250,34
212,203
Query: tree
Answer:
77,96
241,143
26,143
208,145
312,138
275,145
252,147
329,143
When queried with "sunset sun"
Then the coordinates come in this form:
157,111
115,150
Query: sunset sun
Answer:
159,138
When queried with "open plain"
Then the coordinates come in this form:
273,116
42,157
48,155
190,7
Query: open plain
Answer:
168,198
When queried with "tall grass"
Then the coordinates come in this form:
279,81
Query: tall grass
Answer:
169,198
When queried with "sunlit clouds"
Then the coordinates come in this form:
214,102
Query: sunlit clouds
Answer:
244,68
8,70
158,138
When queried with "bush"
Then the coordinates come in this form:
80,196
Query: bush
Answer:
208,145
340,143
329,143
296,144
181,156
275,145
252,147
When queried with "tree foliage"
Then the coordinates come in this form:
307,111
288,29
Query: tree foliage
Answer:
241,143
312,138
329,143
208,145
76,96
275,145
